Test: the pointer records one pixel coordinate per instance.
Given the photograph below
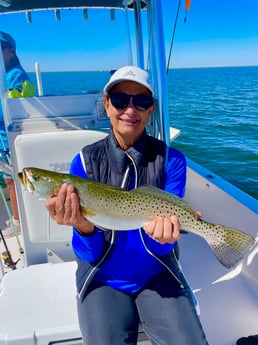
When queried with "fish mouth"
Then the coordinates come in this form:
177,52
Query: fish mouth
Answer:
25,180
21,178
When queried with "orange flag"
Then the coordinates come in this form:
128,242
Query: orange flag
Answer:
187,5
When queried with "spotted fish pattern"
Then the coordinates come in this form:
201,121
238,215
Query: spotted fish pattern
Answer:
113,208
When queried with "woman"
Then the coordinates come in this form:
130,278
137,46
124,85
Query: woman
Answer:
125,278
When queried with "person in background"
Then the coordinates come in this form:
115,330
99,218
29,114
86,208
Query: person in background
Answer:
18,85
250,340
127,278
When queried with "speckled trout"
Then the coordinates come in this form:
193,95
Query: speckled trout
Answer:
110,207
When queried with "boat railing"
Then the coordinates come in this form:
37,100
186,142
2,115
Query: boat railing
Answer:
55,112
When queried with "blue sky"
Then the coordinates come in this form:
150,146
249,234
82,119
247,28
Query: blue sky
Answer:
216,33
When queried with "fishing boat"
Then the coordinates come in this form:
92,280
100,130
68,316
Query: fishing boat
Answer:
38,299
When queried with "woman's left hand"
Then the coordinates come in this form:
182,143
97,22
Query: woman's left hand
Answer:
163,230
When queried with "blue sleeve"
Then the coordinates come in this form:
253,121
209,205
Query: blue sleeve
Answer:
86,248
175,173
76,167
175,181
15,77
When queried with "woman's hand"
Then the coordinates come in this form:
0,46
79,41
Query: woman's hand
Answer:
163,230
64,208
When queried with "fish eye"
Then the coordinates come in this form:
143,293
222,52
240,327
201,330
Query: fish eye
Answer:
36,178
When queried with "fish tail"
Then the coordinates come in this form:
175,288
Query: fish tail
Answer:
230,245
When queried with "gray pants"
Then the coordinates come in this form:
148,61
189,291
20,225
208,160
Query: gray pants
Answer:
165,311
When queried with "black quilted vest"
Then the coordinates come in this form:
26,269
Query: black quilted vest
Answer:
106,162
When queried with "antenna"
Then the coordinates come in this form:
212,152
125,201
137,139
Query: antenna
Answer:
57,15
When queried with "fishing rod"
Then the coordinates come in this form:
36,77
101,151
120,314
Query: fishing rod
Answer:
6,255
173,35
187,6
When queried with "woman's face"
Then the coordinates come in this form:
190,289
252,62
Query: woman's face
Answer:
128,123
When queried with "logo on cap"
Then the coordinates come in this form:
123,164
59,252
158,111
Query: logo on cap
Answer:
130,73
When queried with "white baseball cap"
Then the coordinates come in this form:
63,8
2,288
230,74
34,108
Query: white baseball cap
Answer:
129,73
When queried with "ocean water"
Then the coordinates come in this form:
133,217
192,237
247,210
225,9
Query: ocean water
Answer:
216,110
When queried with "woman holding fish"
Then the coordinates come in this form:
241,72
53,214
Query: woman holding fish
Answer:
125,278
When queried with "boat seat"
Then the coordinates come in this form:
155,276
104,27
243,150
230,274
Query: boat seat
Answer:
54,151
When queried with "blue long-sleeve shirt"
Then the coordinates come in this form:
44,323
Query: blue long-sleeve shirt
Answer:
14,79
131,265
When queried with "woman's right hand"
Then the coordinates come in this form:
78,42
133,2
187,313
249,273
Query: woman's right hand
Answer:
64,208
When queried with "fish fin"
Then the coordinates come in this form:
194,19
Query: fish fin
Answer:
55,190
230,245
162,194
87,212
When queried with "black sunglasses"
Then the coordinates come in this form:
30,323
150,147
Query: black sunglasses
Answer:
121,100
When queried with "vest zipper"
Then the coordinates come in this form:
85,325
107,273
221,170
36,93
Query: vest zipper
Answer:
135,170
97,266
123,183
146,248
159,260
